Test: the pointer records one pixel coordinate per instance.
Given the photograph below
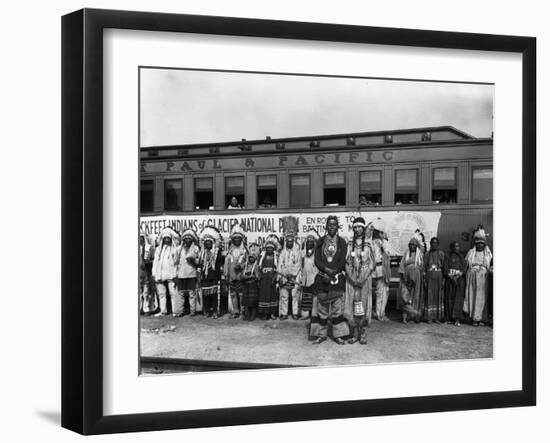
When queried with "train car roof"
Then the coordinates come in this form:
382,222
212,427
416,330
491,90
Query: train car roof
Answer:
411,135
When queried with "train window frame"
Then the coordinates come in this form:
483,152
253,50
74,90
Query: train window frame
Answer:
414,167
344,186
181,202
380,170
152,180
243,203
258,188
473,167
290,175
213,180
436,188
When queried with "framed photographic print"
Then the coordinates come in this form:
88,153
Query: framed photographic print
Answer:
256,210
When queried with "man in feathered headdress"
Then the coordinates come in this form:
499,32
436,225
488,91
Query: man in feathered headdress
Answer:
382,271
164,268
233,269
147,303
268,302
330,283
187,274
210,269
290,263
411,276
479,265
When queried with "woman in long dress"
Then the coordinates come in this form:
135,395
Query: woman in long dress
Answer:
411,273
455,284
358,295
478,261
434,306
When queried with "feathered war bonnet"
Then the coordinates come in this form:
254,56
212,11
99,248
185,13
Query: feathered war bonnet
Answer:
207,258
189,233
272,240
237,231
312,234
417,240
168,232
480,236
213,234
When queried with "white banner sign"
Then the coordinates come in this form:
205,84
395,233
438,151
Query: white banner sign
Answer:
400,225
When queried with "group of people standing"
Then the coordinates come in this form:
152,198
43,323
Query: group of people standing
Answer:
438,287
327,280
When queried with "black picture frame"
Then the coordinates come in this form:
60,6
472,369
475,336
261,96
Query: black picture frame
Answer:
82,230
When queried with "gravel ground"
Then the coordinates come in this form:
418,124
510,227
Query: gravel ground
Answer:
286,343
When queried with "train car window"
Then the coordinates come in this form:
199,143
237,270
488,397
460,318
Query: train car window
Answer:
267,191
482,183
204,193
173,195
335,189
146,196
370,188
444,185
300,191
406,186
234,192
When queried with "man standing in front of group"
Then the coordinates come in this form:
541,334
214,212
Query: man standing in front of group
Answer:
290,263
330,282
187,274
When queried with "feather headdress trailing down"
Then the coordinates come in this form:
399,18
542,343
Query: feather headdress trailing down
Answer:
418,240
207,257
273,241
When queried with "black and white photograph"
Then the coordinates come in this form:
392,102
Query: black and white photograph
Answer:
291,220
